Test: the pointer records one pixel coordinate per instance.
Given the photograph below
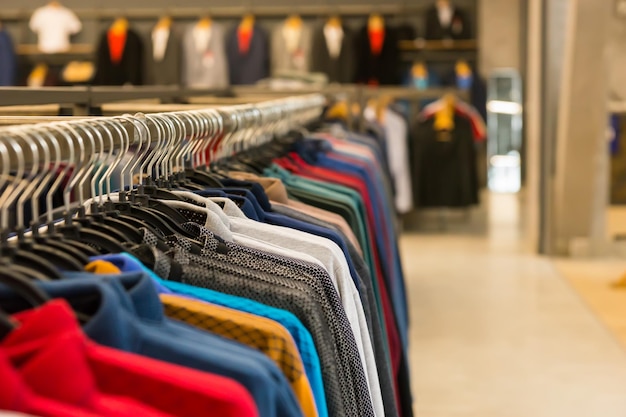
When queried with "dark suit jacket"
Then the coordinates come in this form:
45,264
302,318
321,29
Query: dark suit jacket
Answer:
383,68
443,165
252,66
340,69
128,71
458,29
8,59
166,71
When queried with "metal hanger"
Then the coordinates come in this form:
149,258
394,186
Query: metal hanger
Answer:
33,265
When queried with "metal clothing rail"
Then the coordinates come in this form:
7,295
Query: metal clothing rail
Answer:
84,98
181,134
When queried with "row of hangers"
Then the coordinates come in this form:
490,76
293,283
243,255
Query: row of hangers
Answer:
171,151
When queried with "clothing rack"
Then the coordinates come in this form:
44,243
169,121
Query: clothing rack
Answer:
234,126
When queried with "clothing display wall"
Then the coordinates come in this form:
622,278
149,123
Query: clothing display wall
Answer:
268,284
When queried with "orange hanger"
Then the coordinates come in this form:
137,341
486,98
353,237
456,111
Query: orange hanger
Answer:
294,21
334,21
376,22
120,25
247,22
444,118
165,22
204,23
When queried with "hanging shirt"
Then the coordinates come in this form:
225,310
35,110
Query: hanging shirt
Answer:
44,350
244,38
334,39
159,43
138,326
202,38
54,25
377,40
445,14
269,337
117,43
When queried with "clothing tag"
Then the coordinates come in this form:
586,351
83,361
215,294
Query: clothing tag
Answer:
208,59
298,59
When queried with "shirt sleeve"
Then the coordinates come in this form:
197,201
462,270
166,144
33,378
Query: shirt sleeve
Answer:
73,25
35,21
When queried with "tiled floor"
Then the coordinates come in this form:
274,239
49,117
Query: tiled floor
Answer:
496,331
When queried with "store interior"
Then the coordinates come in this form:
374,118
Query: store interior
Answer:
289,208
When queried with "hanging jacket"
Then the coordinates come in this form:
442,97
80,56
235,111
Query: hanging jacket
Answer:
8,60
248,67
129,69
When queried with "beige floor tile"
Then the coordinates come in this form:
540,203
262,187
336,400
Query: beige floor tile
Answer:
497,331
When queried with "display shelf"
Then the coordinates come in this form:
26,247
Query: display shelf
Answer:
439,45
75,49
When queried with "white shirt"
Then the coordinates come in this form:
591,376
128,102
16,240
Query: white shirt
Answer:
202,38
396,135
334,38
292,38
445,15
53,26
159,43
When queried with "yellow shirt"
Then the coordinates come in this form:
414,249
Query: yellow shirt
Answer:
261,333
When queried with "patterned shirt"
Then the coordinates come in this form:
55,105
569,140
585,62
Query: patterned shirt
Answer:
284,283
258,332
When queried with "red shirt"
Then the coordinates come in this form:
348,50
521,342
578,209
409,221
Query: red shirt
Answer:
244,37
16,396
117,43
49,342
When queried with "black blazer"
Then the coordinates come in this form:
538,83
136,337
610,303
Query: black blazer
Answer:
383,68
458,29
129,70
340,69
167,71
443,165
252,66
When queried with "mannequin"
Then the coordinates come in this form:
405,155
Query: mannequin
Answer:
54,24
445,21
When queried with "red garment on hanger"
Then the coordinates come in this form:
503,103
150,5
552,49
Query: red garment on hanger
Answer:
245,38
117,43
50,340
377,39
